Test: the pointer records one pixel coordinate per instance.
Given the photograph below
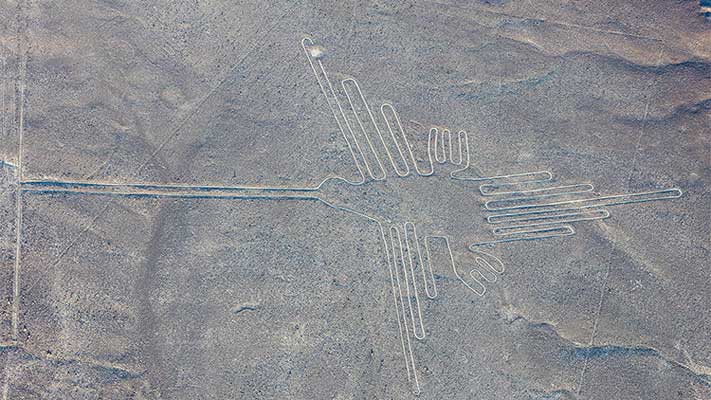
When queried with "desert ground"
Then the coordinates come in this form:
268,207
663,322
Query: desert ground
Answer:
382,199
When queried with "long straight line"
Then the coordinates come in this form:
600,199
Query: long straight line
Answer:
4,88
18,254
594,328
169,190
6,382
602,201
555,220
183,195
18,206
603,292
32,184
552,22
643,129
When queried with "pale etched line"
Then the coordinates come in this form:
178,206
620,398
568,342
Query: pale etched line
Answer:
181,195
442,142
534,216
447,141
392,265
330,106
463,157
415,311
13,323
345,120
515,229
413,278
607,31
609,200
462,139
534,199
456,273
43,184
444,148
4,88
486,264
338,105
639,142
533,234
18,255
18,202
102,165
552,22
637,149
421,262
494,190
595,324
404,138
395,297
375,126
433,141
450,148
171,190
607,272
533,176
